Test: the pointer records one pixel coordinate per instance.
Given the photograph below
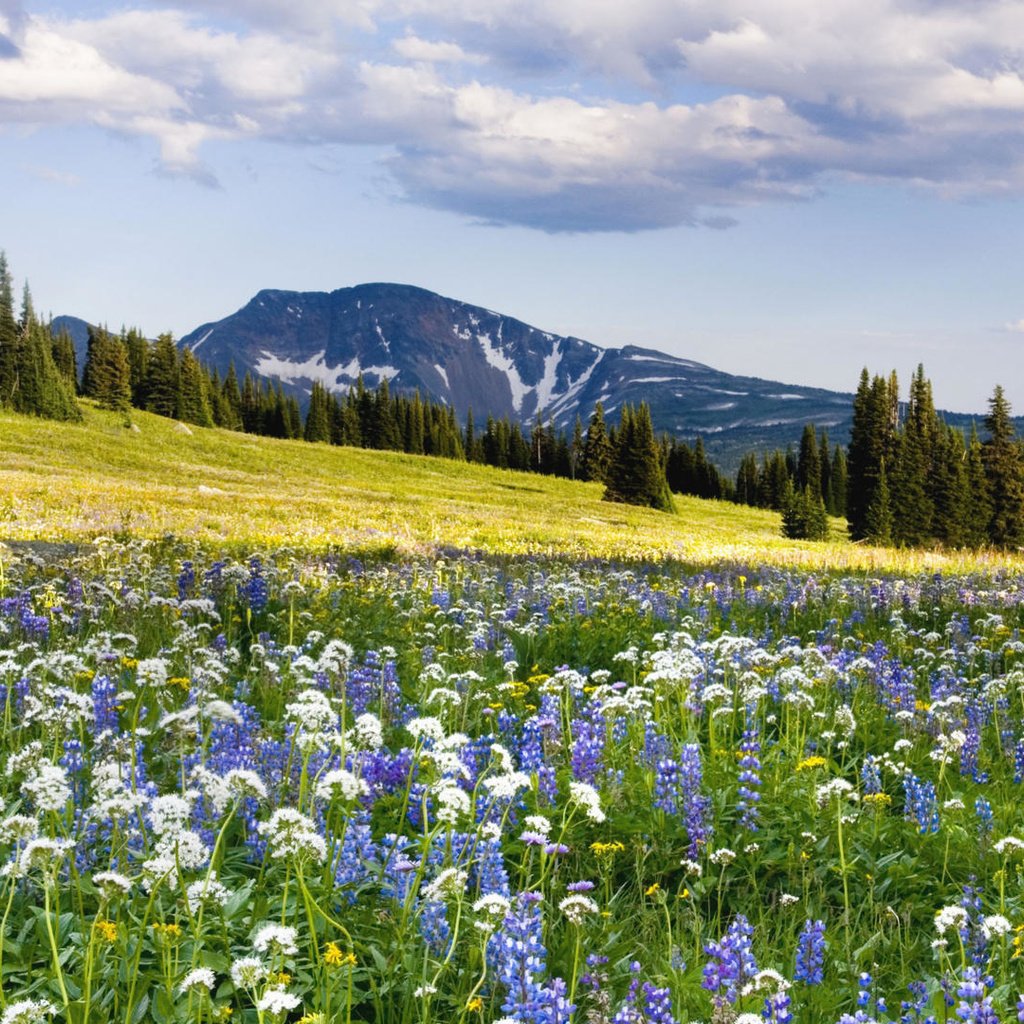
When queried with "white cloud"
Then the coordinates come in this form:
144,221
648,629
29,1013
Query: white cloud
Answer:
411,47
698,108
1014,326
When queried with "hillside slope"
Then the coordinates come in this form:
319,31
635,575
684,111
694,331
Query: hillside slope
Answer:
102,478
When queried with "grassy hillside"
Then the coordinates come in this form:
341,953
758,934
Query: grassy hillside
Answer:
102,478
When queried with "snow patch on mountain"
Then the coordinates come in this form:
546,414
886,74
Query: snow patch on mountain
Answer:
548,384
443,373
506,366
315,368
202,339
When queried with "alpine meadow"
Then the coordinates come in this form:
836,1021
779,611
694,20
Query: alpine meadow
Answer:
511,512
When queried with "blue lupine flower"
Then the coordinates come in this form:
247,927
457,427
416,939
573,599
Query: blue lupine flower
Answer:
732,961
810,953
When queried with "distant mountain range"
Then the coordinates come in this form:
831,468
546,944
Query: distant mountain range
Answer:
476,358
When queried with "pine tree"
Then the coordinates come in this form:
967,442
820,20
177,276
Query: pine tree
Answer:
232,400
978,510
878,522
837,504
107,373
193,405
8,335
162,377
318,416
746,480
597,450
63,351
948,484
1002,458
808,468
636,475
578,467
137,348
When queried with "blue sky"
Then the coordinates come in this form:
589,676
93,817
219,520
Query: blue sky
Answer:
782,189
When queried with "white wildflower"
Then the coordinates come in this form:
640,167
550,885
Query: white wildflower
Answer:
950,917
206,892
492,905
722,856
200,976
425,990
505,787
1009,844
152,672
342,781
450,882
276,1001
289,833
169,813
48,788
537,823
787,899
427,728
585,796
576,907
112,883
995,925
833,788
276,938
27,1011
18,827
452,802
248,972
367,733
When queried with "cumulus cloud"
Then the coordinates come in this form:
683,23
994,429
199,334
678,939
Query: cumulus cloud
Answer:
578,115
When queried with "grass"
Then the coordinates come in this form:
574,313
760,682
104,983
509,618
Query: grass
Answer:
101,478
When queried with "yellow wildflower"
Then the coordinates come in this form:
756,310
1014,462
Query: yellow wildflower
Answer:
609,849
475,1005
106,929
333,955
652,889
817,761
181,682
877,799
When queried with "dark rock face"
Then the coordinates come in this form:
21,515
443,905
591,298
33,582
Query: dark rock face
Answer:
472,357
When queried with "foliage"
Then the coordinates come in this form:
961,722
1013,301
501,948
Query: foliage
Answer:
283,785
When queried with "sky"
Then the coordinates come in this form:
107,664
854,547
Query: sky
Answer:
790,189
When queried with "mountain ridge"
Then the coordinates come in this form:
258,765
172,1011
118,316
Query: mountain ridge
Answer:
472,357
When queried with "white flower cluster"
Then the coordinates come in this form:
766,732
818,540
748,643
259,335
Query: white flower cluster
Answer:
343,782
289,833
585,796
950,918
576,907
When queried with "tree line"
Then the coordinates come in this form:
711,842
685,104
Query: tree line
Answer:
916,480
906,478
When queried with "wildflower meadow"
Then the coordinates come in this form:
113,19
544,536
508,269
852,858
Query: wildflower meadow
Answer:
281,787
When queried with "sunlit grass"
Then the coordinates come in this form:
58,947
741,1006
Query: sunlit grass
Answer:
101,478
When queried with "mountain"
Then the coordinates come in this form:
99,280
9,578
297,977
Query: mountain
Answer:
475,358
78,331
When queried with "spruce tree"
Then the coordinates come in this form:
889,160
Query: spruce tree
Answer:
878,521
162,377
1003,470
232,400
107,373
193,405
808,470
63,351
597,449
636,475
318,416
8,335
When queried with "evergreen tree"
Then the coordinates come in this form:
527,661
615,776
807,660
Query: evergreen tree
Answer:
107,373
948,484
577,465
636,475
746,480
978,510
232,401
808,468
878,522
193,405
162,377
1002,459
318,416
838,488
137,348
597,450
8,335
63,351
